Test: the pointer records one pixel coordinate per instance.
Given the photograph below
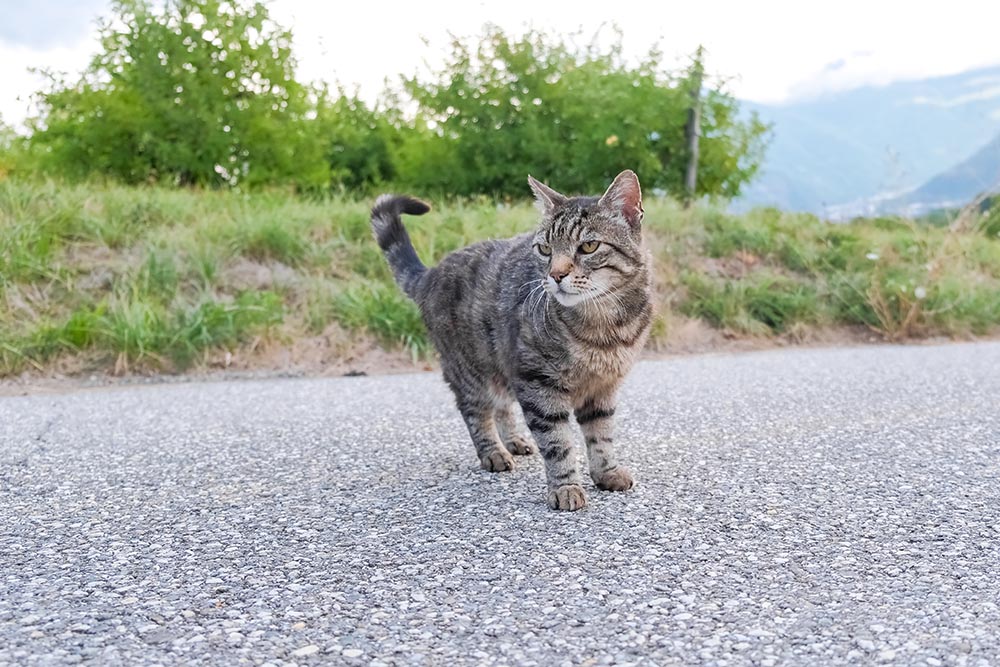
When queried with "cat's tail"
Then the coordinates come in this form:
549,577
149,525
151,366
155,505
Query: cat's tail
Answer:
395,241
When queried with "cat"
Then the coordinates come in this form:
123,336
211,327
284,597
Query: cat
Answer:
553,319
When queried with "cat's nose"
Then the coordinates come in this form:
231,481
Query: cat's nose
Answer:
561,267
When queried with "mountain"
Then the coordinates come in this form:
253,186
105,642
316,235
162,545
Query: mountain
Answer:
849,149
954,187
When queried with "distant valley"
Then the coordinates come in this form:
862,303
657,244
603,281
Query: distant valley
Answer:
906,147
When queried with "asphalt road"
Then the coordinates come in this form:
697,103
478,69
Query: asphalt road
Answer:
810,507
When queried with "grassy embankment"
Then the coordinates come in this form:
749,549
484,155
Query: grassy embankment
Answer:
115,278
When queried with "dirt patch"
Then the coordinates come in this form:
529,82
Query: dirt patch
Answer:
694,336
734,266
246,274
330,354
335,353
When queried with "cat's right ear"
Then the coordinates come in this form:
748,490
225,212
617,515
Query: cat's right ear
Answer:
546,199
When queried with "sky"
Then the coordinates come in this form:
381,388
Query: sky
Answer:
770,51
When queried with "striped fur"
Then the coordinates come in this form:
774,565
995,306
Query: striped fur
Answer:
547,319
394,240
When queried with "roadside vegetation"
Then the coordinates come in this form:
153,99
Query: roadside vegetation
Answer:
186,200
206,93
116,278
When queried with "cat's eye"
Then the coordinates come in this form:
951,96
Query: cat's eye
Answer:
544,250
588,247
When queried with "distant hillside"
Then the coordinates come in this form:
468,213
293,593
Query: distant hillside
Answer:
874,142
956,186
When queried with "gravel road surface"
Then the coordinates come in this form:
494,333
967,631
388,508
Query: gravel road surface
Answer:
799,507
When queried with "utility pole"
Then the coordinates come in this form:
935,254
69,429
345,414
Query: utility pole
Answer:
693,129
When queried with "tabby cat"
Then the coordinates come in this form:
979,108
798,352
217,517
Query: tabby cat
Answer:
553,318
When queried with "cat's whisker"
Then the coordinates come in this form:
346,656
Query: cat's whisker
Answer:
619,310
527,302
619,304
597,291
606,291
602,309
534,309
545,315
597,306
542,293
537,288
588,306
541,282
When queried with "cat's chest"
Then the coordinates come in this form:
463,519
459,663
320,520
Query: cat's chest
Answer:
589,365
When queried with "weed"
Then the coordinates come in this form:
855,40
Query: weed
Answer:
383,311
755,305
267,238
158,276
213,324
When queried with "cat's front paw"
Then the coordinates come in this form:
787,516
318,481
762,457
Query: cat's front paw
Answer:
497,459
617,479
520,445
567,497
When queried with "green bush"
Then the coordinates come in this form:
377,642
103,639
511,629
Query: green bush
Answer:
203,93
193,92
213,324
504,107
727,234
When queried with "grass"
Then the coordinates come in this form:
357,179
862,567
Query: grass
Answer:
133,330
130,279
383,311
761,304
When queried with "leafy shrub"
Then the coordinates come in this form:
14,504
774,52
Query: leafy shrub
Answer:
503,107
193,92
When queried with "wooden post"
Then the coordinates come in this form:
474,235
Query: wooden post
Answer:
693,129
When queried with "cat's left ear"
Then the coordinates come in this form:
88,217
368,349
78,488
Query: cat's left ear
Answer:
625,198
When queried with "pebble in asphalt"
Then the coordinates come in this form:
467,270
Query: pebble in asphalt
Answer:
820,507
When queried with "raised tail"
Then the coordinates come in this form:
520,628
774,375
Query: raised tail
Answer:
395,241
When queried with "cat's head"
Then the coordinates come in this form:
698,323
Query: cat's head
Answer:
591,247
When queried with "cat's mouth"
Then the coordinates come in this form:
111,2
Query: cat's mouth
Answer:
565,294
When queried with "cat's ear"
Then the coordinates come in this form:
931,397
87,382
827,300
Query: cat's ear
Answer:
546,198
625,198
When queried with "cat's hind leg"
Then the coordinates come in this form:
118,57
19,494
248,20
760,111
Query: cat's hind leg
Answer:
477,407
493,455
516,439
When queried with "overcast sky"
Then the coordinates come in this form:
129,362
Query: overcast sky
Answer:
772,51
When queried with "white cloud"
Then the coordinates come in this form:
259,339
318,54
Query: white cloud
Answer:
20,83
988,93
774,49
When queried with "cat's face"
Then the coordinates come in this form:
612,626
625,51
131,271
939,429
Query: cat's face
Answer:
590,247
